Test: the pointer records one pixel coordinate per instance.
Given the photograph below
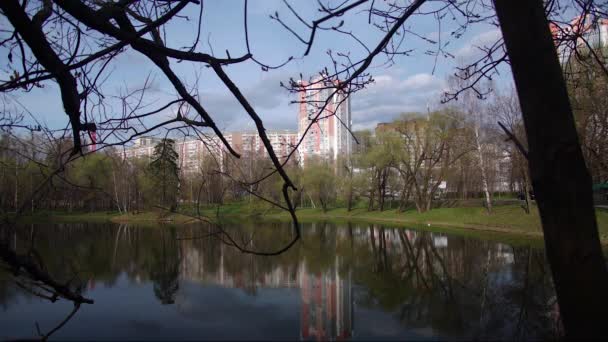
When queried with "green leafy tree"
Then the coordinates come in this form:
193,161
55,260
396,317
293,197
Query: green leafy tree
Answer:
380,159
319,183
92,175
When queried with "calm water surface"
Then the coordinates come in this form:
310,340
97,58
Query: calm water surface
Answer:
351,281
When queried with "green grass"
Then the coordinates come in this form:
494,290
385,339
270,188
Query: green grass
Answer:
504,219
64,216
153,216
102,216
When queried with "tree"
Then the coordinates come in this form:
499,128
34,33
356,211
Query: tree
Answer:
380,159
561,181
319,182
432,144
165,173
346,182
588,91
475,113
506,111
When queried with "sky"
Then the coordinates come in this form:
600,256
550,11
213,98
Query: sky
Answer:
412,83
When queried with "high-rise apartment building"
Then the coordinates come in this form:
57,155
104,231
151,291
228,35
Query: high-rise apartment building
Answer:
328,136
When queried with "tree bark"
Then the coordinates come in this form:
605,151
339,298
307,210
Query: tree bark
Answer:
561,181
16,187
482,165
382,177
526,190
116,191
349,201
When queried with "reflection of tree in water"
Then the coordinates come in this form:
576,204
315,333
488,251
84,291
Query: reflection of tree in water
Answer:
7,290
28,271
456,286
164,270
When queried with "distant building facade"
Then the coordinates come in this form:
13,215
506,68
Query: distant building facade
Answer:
326,296
282,141
588,32
329,136
192,152
327,305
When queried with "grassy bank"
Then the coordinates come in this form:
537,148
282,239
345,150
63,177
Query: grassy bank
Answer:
66,217
504,219
510,219
153,217
101,217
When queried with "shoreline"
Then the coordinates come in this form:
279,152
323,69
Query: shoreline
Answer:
508,221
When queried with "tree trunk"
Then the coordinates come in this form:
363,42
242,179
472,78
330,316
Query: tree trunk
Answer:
16,187
561,181
349,201
420,203
382,175
484,178
312,202
405,196
526,191
116,191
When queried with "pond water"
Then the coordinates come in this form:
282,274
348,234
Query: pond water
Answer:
347,281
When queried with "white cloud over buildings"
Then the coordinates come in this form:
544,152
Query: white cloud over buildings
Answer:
391,95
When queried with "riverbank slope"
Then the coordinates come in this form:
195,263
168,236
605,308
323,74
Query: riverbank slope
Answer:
504,219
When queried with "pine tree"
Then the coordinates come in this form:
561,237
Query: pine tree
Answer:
164,172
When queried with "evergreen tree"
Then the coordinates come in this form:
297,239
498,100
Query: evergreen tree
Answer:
164,172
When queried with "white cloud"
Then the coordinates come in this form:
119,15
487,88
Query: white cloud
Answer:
383,79
434,36
472,47
388,97
267,98
383,101
419,82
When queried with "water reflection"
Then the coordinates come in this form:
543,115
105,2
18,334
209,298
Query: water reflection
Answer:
165,268
149,283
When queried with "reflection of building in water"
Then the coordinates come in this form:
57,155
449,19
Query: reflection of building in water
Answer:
327,299
504,253
390,237
440,241
327,305
195,267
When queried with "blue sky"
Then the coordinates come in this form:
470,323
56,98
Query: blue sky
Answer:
408,85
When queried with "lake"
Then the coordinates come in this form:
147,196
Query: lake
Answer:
340,282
